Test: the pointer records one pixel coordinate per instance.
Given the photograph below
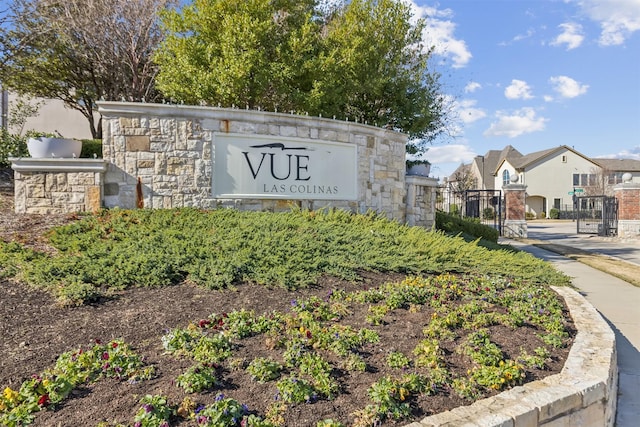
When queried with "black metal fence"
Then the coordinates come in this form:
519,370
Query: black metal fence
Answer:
485,205
597,215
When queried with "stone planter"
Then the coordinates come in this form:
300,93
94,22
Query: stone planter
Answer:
43,147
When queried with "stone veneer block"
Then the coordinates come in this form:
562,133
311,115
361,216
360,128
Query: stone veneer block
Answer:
137,143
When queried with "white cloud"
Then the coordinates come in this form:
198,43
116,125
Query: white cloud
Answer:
618,19
567,87
520,122
633,153
518,89
439,33
450,153
467,111
571,36
472,87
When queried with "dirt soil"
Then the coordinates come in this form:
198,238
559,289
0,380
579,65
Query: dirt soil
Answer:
34,330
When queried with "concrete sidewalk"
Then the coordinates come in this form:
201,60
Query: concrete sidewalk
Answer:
617,301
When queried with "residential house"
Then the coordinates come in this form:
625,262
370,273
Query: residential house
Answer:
552,176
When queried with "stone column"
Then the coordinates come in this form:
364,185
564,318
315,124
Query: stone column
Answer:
515,224
628,196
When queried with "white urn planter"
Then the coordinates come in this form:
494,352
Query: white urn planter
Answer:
420,169
43,147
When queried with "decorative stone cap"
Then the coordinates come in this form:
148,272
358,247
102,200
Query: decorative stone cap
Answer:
27,164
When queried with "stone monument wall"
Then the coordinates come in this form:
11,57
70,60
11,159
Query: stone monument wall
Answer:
163,156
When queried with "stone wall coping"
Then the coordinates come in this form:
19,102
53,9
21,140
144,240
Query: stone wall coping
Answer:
626,186
28,164
421,180
588,380
120,109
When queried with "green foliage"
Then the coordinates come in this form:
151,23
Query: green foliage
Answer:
398,360
72,369
118,249
364,60
11,146
91,148
154,412
222,412
554,213
469,226
296,390
263,369
198,378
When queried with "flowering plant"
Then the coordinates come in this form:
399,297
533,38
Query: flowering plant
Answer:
112,360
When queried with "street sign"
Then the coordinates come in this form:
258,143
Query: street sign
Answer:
570,193
579,190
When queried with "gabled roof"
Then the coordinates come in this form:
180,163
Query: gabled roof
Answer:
526,160
494,158
619,165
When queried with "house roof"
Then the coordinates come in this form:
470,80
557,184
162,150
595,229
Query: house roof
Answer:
619,165
494,158
526,160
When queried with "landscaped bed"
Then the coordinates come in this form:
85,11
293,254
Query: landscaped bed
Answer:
231,318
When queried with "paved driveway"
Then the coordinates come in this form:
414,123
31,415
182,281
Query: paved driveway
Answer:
565,233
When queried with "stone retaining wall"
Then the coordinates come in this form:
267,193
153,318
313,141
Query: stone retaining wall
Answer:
583,394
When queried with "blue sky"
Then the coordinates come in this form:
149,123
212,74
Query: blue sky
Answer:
536,74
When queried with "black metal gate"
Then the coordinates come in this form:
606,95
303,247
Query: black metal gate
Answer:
486,205
597,215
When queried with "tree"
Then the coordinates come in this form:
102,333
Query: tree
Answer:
81,51
362,60
250,53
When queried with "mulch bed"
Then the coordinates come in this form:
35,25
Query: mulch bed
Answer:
35,330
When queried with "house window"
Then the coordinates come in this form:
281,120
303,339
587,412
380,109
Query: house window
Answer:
505,178
564,159
576,179
556,203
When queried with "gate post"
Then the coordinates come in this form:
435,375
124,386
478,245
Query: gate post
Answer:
628,196
515,223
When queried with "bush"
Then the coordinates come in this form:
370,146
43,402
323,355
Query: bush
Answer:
467,226
529,216
11,146
554,213
91,147
488,213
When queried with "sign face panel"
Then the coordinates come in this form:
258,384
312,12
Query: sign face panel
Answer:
266,167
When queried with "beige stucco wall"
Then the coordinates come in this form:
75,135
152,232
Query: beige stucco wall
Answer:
54,116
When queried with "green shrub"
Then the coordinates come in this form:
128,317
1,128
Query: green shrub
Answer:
554,213
11,146
529,216
91,147
488,213
466,226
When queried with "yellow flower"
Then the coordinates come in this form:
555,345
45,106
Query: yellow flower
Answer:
10,395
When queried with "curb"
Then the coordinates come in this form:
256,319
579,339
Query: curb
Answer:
584,393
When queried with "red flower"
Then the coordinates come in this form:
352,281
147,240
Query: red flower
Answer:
105,356
44,400
308,334
204,323
114,344
98,341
